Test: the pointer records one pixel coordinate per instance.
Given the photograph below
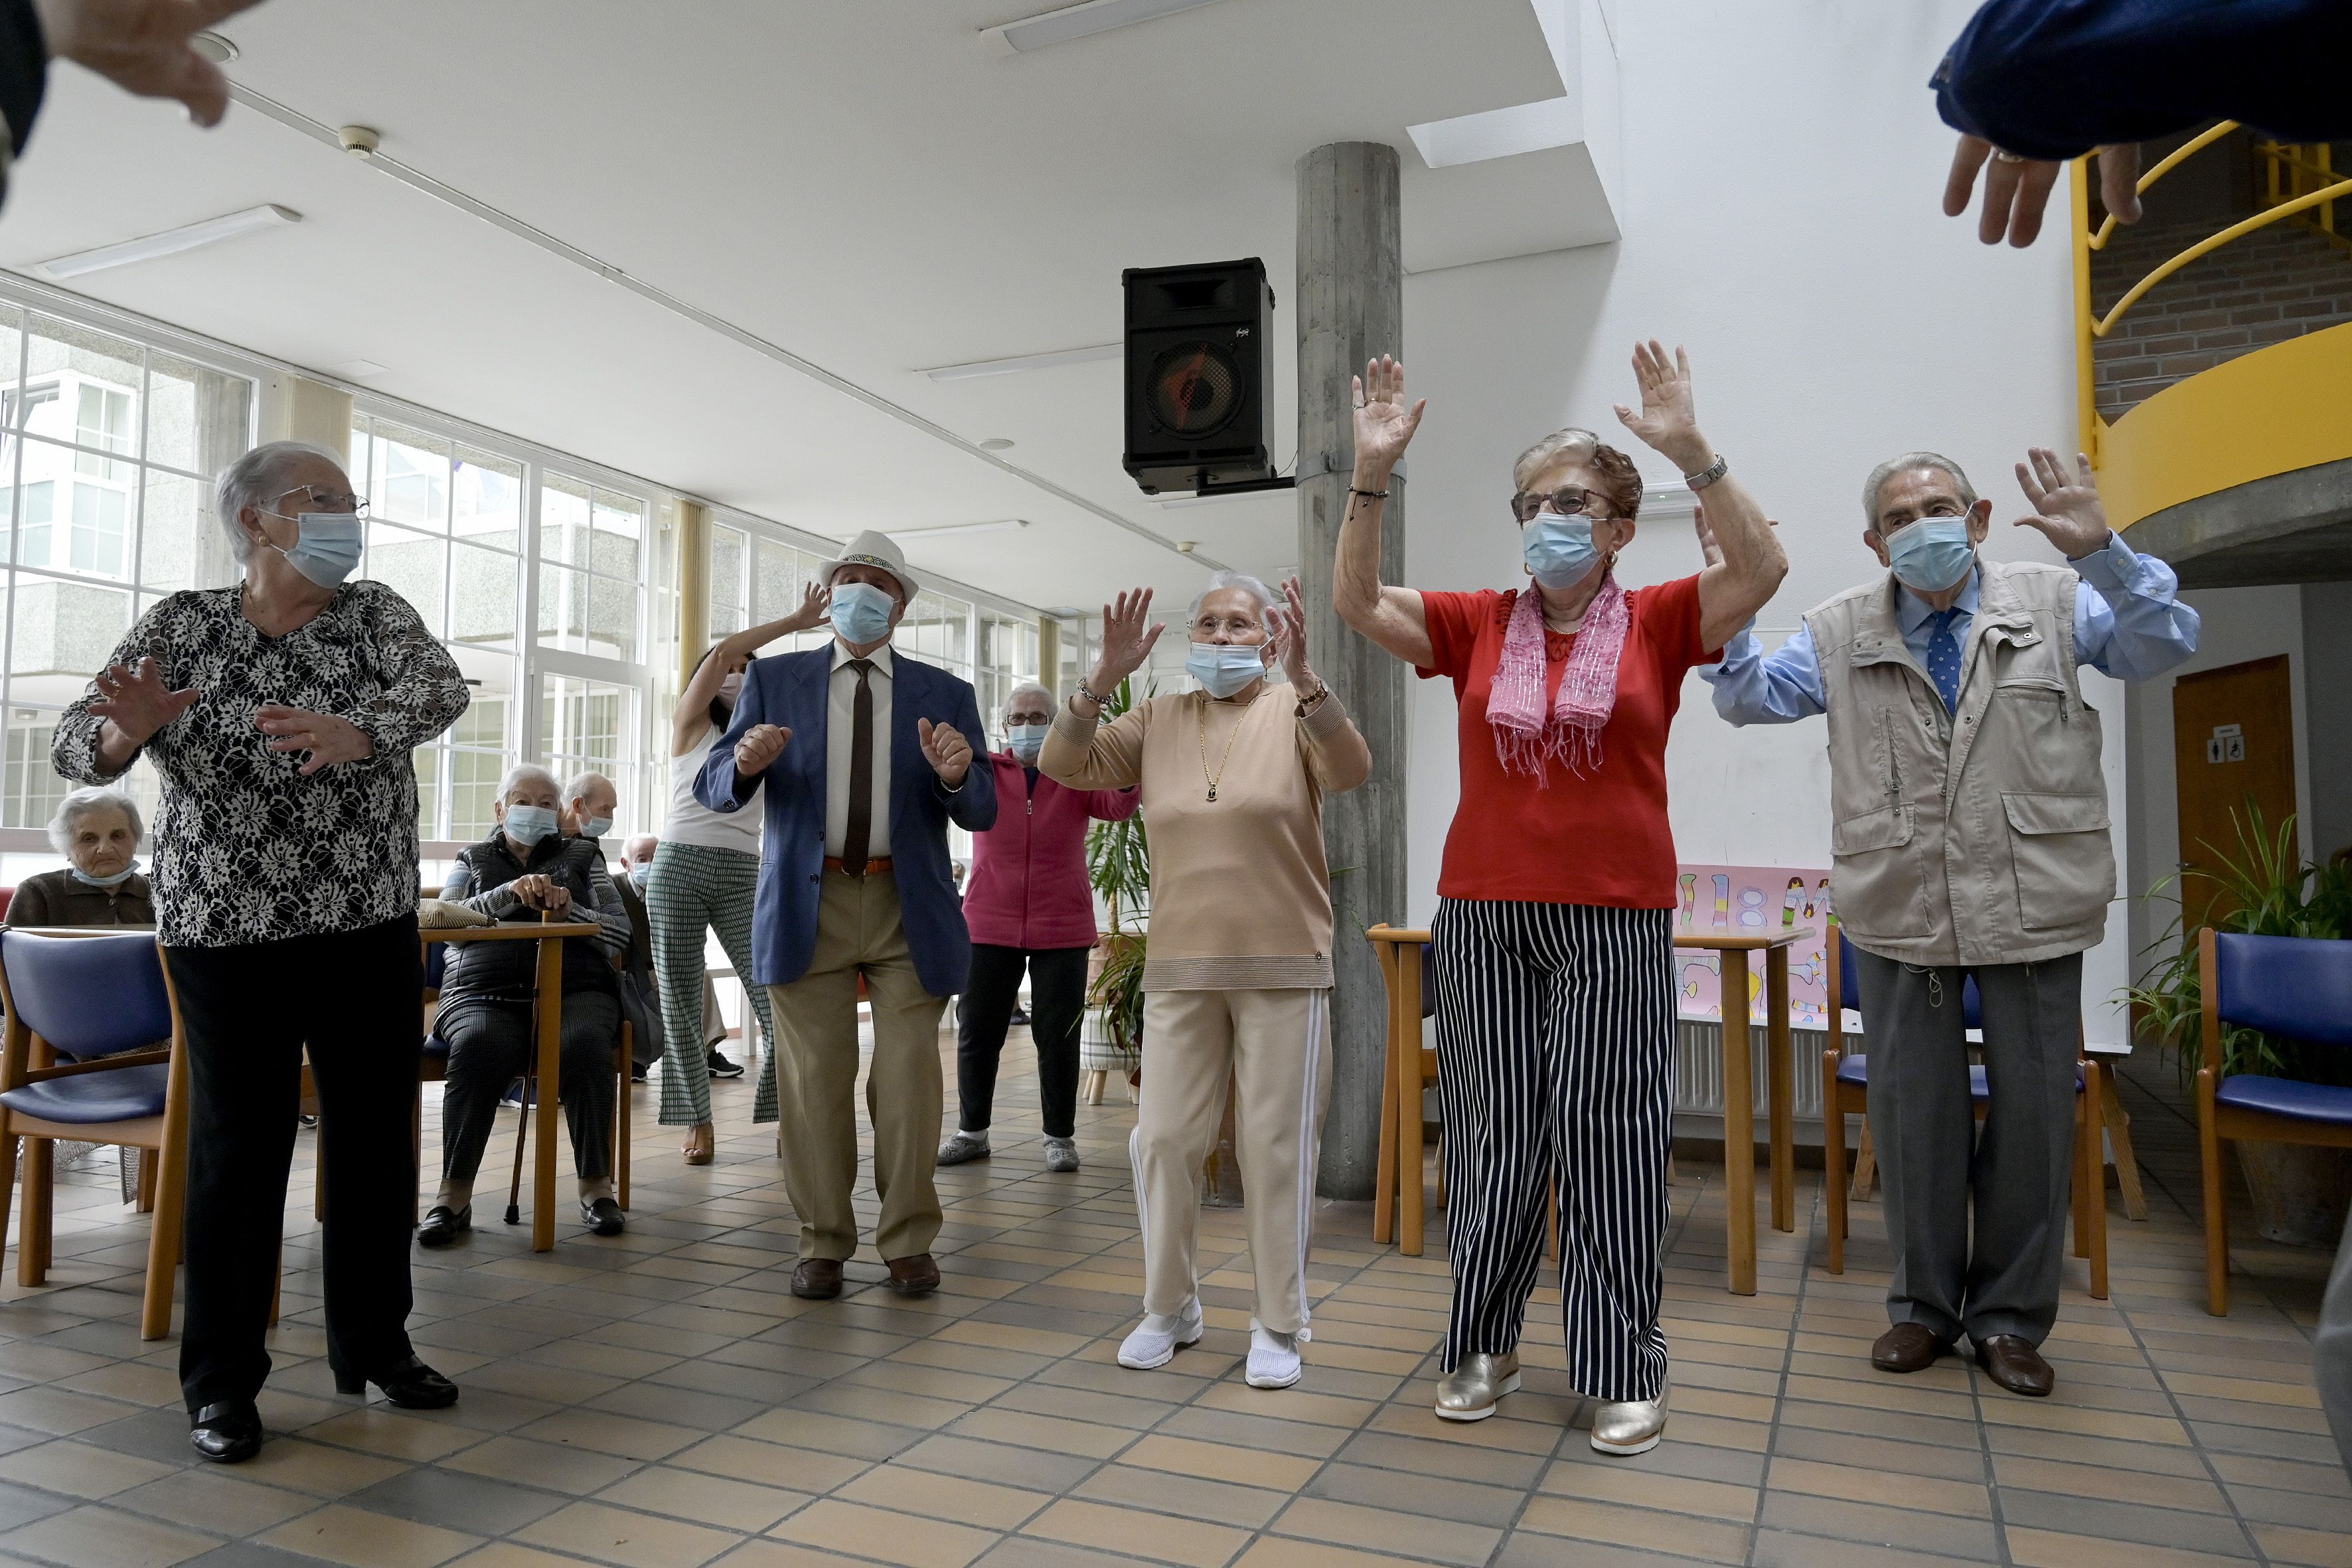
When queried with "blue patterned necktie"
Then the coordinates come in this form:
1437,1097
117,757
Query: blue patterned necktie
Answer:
1944,658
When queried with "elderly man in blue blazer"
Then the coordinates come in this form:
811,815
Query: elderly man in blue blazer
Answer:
866,755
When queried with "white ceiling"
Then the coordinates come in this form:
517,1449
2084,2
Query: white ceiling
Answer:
861,184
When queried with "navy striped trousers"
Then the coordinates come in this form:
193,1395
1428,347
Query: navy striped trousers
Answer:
1555,1039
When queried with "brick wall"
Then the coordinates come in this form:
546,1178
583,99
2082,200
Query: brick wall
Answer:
2274,284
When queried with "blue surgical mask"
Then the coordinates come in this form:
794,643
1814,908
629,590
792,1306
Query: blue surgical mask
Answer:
115,882
1559,550
529,823
637,875
1026,741
861,613
1932,554
596,828
327,549
1224,669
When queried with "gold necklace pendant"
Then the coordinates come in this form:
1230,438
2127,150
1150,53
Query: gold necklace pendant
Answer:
1218,777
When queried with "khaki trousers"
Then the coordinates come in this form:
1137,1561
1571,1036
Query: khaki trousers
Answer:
858,931
1276,1048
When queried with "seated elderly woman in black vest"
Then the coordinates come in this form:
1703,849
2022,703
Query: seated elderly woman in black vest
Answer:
98,830
525,868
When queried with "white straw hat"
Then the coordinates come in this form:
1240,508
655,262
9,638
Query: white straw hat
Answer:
872,549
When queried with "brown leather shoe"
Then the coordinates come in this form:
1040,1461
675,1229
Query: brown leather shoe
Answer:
817,1279
1907,1347
916,1276
2016,1365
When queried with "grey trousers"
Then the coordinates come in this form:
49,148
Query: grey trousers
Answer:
2331,1355
2019,1171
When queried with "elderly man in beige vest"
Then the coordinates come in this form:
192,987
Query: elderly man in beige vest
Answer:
1970,837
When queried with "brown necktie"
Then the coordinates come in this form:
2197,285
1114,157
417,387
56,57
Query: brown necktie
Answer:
861,773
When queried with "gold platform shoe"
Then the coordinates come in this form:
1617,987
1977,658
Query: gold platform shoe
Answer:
1471,1391
1630,1427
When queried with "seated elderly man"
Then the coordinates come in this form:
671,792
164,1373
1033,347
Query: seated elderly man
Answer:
99,832
590,804
529,866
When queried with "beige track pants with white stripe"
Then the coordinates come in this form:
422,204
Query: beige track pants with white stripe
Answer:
1275,1048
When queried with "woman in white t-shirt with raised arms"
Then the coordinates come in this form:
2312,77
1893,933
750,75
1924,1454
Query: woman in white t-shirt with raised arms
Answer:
705,874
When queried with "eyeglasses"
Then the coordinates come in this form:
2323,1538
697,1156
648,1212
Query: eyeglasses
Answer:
1568,501
320,500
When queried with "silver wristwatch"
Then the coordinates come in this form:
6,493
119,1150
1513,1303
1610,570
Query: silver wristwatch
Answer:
1708,475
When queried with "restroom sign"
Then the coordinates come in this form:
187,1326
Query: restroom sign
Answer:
2226,744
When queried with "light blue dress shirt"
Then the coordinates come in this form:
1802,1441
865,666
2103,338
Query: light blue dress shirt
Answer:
2128,623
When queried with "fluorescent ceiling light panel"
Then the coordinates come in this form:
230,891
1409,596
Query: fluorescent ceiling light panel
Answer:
1014,365
1000,525
1047,28
171,242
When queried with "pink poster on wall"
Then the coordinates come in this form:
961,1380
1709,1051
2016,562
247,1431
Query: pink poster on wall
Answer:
1752,900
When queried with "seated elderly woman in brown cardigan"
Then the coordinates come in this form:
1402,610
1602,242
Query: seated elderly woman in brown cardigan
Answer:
99,832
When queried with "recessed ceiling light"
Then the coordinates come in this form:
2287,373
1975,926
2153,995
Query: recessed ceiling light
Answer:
1059,27
1016,363
996,444
214,48
171,242
999,525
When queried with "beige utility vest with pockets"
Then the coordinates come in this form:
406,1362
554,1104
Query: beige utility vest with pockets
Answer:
1977,836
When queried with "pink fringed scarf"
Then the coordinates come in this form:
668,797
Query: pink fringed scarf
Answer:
1525,739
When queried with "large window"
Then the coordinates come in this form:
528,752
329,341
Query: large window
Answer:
107,451
446,529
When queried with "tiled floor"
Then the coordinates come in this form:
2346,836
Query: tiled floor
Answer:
660,1401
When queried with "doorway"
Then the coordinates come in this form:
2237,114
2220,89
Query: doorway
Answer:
2232,754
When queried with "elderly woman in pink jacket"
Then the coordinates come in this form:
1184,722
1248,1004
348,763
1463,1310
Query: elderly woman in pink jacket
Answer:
1029,907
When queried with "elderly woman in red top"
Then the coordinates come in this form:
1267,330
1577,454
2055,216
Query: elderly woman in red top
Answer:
1029,905
1555,990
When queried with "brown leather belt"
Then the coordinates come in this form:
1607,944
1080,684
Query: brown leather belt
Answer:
874,863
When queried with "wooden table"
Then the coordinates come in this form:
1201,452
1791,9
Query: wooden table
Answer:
551,936
1739,1089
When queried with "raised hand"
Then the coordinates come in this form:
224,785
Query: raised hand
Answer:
760,745
1384,422
141,46
945,750
328,739
2067,510
1668,422
2017,190
814,601
1287,627
137,701
1127,635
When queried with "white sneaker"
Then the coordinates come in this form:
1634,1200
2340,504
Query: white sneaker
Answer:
1273,1358
1161,1335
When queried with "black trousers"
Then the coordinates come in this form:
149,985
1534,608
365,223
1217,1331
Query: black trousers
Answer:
356,1000
490,1043
1057,1005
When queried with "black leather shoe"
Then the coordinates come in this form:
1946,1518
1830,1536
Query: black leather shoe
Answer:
603,1216
411,1384
443,1224
228,1432
2013,1363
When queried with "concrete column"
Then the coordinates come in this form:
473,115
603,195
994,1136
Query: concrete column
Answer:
296,408
1351,303
1049,655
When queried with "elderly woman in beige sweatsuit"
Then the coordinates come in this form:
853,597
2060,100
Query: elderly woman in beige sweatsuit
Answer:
1237,977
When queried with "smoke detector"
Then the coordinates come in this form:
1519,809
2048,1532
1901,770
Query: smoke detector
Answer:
359,141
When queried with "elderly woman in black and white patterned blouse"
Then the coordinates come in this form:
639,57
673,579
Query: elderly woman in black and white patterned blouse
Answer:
280,714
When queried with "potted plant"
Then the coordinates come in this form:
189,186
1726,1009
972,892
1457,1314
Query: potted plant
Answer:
1118,864
2265,888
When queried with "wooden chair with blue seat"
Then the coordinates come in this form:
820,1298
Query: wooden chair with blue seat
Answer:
1845,1091
93,1055
2299,988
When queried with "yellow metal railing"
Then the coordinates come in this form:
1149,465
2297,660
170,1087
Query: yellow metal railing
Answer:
2297,183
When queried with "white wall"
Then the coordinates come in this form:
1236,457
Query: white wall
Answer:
1782,172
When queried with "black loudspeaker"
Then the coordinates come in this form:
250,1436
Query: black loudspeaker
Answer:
1200,348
